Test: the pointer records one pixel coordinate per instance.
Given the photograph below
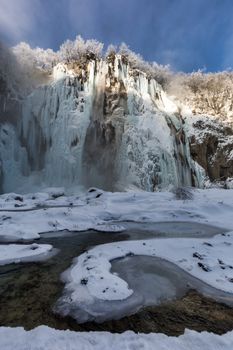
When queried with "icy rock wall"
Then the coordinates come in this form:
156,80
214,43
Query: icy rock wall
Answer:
154,147
136,136
103,125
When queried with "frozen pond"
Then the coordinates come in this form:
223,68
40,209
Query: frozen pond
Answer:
29,291
154,281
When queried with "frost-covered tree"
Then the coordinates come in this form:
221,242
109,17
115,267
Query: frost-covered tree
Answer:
79,50
94,47
111,50
134,59
208,93
162,74
66,52
35,58
33,65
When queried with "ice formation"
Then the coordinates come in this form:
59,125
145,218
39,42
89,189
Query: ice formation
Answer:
99,124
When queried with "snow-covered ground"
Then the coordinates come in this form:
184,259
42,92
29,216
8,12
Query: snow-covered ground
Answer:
16,253
105,211
50,197
26,217
51,339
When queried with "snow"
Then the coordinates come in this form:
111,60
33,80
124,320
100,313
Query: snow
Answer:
229,182
18,253
106,211
47,338
60,71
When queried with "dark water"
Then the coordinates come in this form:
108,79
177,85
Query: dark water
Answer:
171,229
29,291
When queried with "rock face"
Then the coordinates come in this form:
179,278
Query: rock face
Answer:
211,145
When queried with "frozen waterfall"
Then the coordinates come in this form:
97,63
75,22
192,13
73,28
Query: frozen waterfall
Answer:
103,125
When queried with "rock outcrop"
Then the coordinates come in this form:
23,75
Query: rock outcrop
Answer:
211,146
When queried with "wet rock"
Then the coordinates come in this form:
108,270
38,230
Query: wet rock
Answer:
92,190
198,256
204,267
4,218
84,281
18,198
129,254
208,244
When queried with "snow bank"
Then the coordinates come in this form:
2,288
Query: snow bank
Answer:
106,211
17,253
51,339
49,197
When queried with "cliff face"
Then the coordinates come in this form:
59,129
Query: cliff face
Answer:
135,136
105,124
211,145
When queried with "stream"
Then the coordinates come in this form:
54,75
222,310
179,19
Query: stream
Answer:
28,292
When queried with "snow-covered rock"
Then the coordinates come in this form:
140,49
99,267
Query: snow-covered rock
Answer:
17,253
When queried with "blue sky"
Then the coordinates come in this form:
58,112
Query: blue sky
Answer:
187,34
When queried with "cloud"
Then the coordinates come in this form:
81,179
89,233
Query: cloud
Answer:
18,18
